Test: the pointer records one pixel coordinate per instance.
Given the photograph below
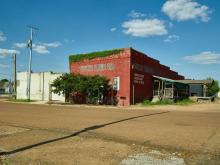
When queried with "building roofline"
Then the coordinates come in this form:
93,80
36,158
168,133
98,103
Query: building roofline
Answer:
196,81
43,72
145,55
95,54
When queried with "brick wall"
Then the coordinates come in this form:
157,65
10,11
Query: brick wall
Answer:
135,70
113,66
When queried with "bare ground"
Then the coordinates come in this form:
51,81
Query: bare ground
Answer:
50,134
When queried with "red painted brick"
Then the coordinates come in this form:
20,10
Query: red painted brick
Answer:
123,63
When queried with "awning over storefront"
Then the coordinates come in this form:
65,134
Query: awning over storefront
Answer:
177,83
168,88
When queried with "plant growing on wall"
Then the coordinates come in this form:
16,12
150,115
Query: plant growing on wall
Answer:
80,57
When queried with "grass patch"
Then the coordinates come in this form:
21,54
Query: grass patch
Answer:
184,102
20,100
167,102
80,57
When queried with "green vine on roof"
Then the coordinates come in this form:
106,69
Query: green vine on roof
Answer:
80,57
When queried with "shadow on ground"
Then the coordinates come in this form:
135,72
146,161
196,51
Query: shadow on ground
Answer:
94,127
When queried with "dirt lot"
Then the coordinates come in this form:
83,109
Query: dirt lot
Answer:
50,134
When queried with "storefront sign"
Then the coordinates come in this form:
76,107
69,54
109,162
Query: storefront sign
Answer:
97,67
138,78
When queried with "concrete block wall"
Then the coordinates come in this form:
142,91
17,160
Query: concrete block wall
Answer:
40,86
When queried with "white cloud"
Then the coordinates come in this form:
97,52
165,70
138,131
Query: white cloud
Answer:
135,14
5,52
172,38
204,58
113,29
144,27
170,25
182,10
4,66
68,41
20,45
40,49
51,44
2,37
177,64
21,65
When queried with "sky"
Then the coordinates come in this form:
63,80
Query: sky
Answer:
183,34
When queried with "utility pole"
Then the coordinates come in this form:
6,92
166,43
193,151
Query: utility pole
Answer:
30,44
15,76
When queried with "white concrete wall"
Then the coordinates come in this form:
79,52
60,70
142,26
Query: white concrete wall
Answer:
219,94
40,86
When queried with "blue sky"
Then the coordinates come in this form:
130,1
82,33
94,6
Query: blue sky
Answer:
183,34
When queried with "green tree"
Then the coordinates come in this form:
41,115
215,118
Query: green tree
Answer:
64,85
92,87
214,88
97,86
4,80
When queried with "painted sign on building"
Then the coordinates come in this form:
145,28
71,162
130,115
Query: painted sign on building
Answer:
97,67
144,68
138,78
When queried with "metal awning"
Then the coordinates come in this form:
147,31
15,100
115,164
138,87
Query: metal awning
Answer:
176,83
163,78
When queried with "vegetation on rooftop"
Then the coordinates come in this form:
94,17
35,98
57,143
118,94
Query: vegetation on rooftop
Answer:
80,57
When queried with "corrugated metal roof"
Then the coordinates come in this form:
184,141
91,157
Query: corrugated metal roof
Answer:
163,78
169,80
195,81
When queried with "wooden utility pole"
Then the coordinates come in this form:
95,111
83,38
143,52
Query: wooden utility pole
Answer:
30,45
15,76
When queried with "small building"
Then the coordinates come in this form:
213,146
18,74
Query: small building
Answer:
134,76
198,88
40,86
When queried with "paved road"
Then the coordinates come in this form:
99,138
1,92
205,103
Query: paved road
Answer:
195,129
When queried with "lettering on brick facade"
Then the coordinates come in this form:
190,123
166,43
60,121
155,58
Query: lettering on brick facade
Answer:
97,67
144,68
138,78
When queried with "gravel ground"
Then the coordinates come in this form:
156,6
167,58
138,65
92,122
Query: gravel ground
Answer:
40,134
7,130
153,158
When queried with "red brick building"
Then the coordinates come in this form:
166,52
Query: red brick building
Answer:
131,72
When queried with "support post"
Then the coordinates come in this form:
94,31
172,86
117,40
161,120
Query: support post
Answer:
133,99
112,96
172,90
